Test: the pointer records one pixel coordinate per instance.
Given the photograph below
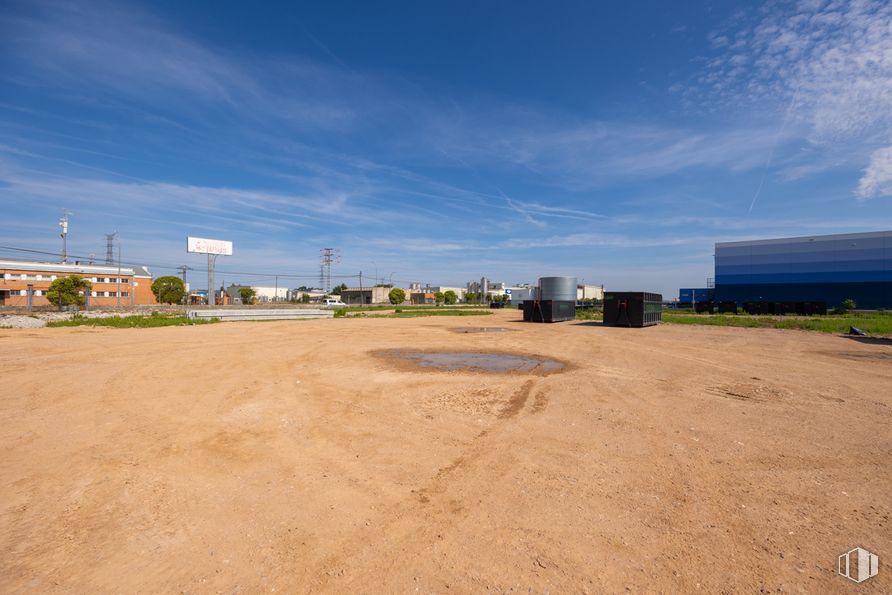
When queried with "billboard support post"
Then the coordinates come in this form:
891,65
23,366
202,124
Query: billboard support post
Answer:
213,248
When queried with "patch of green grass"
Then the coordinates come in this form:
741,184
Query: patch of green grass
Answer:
155,320
875,324
589,314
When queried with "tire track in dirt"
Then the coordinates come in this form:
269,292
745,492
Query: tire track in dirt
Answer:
517,401
429,501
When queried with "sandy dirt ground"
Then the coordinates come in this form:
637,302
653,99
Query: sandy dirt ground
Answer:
286,456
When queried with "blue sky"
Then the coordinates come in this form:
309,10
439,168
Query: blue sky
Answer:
439,142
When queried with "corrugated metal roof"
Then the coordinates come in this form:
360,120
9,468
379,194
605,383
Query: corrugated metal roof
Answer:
816,238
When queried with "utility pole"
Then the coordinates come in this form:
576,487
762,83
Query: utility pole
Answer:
276,291
211,292
119,273
63,223
361,297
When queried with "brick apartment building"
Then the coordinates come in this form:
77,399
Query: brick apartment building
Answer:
16,277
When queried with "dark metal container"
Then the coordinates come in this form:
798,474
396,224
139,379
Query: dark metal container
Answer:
632,308
704,307
548,310
727,307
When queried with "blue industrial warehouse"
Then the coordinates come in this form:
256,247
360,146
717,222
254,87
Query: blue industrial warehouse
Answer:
830,269
688,296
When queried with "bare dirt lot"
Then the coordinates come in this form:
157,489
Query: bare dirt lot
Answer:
294,456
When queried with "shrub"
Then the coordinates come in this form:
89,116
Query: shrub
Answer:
66,291
340,312
396,296
247,294
169,289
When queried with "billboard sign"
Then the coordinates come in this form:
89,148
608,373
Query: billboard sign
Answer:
205,246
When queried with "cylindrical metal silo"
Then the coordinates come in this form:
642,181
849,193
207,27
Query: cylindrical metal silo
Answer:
559,289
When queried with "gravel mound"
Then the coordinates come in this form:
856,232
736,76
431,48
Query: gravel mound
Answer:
21,322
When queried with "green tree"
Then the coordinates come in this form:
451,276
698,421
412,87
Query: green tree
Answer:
305,298
470,297
450,297
247,294
439,297
65,291
338,289
169,289
849,304
396,296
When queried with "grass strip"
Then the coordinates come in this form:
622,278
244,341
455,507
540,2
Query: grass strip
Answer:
875,324
132,321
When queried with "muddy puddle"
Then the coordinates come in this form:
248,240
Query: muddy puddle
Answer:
481,329
469,361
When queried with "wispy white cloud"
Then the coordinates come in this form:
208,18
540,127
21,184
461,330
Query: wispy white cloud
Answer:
592,154
251,207
877,178
120,50
830,62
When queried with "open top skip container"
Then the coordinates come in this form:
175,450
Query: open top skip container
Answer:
632,308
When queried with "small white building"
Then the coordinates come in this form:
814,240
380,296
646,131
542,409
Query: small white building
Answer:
459,291
270,294
520,293
589,292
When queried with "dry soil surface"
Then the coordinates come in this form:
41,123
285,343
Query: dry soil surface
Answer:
287,456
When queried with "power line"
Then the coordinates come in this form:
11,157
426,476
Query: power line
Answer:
172,267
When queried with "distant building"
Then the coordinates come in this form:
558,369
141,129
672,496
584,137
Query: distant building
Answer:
423,298
521,293
366,295
527,291
829,269
111,285
314,295
459,291
589,292
687,296
270,294
485,287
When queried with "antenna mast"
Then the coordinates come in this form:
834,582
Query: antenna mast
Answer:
63,223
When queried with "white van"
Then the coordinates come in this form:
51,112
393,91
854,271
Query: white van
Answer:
334,303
